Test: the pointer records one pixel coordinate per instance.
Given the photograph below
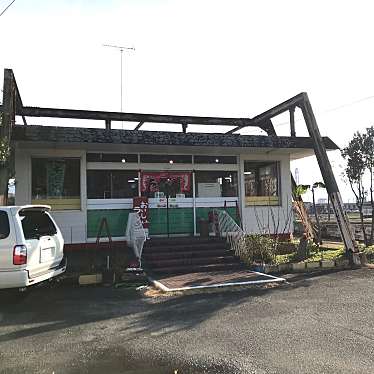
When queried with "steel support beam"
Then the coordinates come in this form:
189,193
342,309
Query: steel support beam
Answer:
139,125
292,121
330,182
132,117
8,118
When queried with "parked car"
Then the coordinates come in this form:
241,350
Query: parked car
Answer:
31,246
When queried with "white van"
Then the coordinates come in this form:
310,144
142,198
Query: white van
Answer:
31,246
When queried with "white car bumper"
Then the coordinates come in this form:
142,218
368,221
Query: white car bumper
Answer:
19,279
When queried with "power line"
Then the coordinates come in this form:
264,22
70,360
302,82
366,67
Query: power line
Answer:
333,109
7,8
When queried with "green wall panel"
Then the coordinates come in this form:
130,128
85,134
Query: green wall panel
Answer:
180,221
117,221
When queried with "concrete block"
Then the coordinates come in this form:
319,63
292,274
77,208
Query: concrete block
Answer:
298,266
342,262
327,264
90,279
271,269
313,265
284,268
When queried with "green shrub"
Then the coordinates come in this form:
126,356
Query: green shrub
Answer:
258,248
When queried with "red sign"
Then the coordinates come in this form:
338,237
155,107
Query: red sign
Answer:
140,205
149,182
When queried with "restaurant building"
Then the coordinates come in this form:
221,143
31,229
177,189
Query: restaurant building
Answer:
87,174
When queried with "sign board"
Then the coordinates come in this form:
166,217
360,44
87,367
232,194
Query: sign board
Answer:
209,189
141,206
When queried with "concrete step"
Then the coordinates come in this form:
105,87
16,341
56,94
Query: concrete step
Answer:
189,261
162,242
151,256
192,247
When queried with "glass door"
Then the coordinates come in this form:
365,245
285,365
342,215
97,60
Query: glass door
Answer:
171,205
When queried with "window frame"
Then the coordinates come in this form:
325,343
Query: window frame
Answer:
50,200
109,174
259,200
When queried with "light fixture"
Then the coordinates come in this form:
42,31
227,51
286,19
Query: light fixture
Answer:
217,160
247,172
123,160
131,181
171,162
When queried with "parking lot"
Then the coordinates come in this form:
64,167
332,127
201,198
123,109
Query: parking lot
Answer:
313,324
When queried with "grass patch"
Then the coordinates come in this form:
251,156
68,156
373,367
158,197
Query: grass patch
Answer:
315,255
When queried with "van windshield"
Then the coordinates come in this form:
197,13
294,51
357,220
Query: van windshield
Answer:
36,224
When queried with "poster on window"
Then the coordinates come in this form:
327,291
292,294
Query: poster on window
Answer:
152,183
141,206
55,178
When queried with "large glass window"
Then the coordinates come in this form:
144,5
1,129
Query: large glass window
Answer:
112,184
261,180
216,183
56,181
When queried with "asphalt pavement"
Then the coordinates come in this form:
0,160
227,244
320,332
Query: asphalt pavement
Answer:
314,324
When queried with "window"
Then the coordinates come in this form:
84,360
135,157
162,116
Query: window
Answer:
112,157
36,224
166,159
215,160
4,225
261,180
216,184
56,181
112,184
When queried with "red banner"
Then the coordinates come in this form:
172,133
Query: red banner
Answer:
149,182
140,205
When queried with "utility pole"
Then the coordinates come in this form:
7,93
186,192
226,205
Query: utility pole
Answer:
121,49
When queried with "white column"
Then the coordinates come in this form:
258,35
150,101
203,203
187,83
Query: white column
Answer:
194,202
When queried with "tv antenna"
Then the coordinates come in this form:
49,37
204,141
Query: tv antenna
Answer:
121,49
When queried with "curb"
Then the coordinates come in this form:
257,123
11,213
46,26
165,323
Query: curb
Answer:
305,267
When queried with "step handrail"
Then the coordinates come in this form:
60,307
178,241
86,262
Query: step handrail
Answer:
136,235
226,227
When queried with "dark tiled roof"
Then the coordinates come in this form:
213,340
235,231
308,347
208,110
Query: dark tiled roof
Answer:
90,135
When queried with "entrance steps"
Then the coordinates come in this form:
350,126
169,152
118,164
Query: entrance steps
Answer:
188,255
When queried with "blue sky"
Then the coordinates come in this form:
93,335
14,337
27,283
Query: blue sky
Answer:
212,57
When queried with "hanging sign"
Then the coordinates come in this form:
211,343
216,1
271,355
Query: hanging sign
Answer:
150,182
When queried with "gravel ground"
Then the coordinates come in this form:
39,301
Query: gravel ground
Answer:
320,324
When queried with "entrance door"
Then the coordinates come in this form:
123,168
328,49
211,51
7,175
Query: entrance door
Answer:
170,201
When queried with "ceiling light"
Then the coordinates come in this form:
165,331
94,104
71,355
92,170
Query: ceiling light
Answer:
123,160
171,162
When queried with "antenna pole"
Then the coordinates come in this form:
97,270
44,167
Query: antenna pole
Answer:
121,49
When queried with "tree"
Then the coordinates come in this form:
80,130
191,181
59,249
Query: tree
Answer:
314,187
368,139
355,169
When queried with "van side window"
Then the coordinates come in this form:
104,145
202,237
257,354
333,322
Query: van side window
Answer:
4,225
36,224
